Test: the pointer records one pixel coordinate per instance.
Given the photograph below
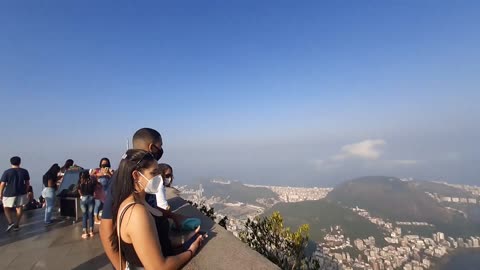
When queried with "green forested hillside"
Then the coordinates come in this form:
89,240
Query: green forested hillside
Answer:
396,200
322,214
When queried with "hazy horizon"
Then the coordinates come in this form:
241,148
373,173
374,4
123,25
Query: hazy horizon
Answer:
300,94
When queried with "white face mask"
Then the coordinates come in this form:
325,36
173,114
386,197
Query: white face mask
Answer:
167,181
153,184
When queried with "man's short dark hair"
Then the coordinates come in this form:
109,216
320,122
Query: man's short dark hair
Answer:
15,161
146,135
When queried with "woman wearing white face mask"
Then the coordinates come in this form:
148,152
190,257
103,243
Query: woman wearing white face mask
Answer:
136,236
167,174
166,180
182,223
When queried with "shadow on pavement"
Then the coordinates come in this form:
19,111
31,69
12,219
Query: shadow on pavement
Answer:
97,262
31,225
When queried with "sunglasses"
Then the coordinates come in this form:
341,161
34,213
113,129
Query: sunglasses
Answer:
143,157
159,154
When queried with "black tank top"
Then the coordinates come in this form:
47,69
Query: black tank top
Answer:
163,227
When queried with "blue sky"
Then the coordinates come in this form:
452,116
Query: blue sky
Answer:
260,91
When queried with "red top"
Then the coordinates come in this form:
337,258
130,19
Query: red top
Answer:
98,193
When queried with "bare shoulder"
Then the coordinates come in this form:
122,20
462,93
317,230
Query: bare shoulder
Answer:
136,220
136,214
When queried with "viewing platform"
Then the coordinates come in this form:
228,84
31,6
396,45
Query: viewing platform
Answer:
60,245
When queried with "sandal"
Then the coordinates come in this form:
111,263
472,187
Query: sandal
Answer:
84,235
91,234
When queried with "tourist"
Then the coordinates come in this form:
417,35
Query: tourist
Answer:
30,195
86,188
133,224
41,200
181,223
32,203
160,196
103,173
50,180
103,176
13,191
146,139
99,196
167,173
68,164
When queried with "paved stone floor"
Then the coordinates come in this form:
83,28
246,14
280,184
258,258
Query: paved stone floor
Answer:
58,246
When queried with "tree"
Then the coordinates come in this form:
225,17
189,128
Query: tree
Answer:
280,245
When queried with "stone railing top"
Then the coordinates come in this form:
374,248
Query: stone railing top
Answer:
221,250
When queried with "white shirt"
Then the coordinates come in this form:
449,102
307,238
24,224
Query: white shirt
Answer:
162,197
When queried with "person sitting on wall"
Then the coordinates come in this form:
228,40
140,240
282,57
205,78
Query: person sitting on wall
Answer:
32,203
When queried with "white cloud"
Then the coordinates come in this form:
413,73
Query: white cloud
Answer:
368,149
366,154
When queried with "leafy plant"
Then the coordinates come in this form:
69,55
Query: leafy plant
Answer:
210,212
285,248
223,222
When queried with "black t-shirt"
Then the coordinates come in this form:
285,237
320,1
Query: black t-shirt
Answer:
87,188
16,182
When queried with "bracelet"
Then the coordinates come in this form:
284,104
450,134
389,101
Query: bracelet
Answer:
191,253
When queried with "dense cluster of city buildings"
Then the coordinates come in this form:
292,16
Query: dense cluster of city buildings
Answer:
474,190
408,252
453,199
411,252
297,194
285,194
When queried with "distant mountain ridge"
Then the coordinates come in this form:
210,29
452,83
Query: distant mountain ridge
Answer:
398,200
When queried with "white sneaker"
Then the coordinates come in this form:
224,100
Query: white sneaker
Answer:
10,227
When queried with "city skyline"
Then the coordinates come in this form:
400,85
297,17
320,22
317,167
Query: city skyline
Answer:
300,94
